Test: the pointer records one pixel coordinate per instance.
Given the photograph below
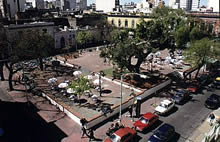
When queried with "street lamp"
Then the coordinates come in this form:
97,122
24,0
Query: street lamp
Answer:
122,75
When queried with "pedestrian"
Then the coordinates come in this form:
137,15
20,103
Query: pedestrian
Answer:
84,132
130,110
83,121
211,119
91,135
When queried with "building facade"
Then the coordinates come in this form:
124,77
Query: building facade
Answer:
190,5
214,4
126,21
66,4
14,6
14,31
81,4
65,38
39,4
107,5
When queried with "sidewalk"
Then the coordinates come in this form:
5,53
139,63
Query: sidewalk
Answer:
200,133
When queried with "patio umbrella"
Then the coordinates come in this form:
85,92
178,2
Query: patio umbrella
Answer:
70,91
52,80
96,82
62,85
77,73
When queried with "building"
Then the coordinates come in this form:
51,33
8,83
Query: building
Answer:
39,4
13,6
65,38
145,6
107,5
125,21
13,31
2,9
174,4
66,4
190,5
81,4
129,7
214,4
209,17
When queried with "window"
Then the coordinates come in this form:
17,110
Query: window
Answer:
132,23
126,23
44,30
113,22
119,23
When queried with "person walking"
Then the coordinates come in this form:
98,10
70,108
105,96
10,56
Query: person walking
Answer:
211,119
83,122
91,135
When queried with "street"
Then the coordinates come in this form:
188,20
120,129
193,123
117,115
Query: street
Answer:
186,118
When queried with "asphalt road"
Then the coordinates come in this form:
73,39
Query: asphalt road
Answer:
185,118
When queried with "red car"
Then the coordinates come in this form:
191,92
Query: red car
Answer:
125,134
145,121
193,87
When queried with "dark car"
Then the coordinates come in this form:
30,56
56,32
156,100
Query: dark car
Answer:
212,101
163,134
203,79
181,96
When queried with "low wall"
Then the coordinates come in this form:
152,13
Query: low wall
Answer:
147,94
126,104
68,113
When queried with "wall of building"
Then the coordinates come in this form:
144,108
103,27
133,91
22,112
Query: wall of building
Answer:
105,5
214,4
68,36
14,6
131,21
13,31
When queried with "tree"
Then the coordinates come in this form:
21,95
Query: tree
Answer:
30,45
83,37
199,53
80,86
35,45
149,37
181,37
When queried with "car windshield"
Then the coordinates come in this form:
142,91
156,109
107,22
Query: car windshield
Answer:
213,99
143,120
163,105
114,138
160,135
179,95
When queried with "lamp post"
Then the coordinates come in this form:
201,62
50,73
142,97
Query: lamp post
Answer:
122,75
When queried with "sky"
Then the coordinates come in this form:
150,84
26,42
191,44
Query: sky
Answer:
202,2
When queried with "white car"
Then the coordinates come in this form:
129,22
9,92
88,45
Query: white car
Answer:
164,107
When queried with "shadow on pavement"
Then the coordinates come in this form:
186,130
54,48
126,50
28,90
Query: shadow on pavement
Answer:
21,123
173,110
175,137
153,127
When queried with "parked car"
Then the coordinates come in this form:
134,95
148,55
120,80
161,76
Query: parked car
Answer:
193,87
180,96
125,134
145,121
164,106
217,83
213,101
204,79
163,134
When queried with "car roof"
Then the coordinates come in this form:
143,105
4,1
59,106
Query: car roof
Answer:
165,127
148,115
167,102
213,96
123,131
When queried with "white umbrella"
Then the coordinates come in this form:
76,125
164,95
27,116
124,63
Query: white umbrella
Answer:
70,91
62,85
77,73
96,82
52,80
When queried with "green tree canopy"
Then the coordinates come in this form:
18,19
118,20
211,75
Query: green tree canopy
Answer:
83,37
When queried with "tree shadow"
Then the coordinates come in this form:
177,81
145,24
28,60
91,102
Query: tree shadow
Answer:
21,122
